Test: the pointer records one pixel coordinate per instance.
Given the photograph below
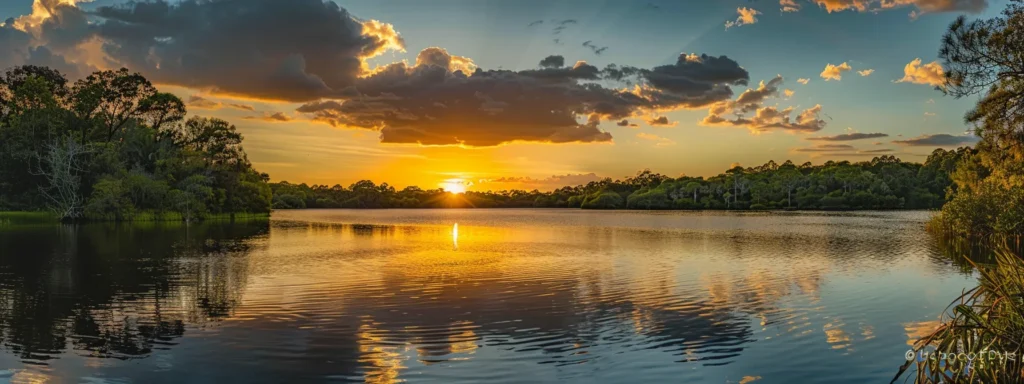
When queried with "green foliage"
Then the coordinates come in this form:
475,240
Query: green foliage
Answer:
603,200
982,57
576,201
984,319
123,148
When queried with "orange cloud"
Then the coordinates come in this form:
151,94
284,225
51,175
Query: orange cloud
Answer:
789,5
866,72
659,141
835,72
929,74
746,16
923,6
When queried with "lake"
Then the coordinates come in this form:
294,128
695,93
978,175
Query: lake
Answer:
514,295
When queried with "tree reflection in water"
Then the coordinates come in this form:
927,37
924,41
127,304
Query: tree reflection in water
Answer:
117,291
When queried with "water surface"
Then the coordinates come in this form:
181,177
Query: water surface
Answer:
508,296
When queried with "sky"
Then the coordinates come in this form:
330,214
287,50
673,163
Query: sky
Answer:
492,95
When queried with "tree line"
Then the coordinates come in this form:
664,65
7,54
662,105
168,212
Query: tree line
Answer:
884,182
111,147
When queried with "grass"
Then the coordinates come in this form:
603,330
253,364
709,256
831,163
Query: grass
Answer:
37,218
986,321
26,218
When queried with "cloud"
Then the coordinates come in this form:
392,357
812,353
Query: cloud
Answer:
939,140
658,140
661,121
803,81
537,22
849,137
826,148
768,118
788,93
922,6
765,117
833,72
315,48
928,114
746,16
318,54
433,105
866,72
883,150
195,101
789,6
929,74
278,117
552,182
625,123
56,35
440,57
597,50
561,25
553,61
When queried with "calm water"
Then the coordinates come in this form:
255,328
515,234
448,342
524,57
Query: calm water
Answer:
508,296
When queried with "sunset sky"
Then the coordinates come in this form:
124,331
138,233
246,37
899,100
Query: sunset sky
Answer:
526,94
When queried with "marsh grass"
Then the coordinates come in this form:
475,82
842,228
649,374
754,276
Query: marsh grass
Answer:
986,321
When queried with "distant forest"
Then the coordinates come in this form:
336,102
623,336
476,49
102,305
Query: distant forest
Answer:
882,183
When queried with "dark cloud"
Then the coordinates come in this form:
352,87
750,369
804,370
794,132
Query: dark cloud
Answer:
661,121
44,42
195,101
597,50
553,61
296,50
849,137
433,105
561,25
553,182
277,117
241,106
537,22
826,148
314,51
884,150
625,123
939,140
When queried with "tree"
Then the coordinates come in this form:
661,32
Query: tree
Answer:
983,56
61,165
117,97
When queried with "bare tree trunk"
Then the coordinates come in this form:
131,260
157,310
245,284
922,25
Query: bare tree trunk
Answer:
61,165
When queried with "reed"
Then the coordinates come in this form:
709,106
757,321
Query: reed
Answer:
986,322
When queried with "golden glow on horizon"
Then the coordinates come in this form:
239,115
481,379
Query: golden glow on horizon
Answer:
457,186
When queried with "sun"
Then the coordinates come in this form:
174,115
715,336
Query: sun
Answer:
457,186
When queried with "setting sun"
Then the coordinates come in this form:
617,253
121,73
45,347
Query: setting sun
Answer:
454,185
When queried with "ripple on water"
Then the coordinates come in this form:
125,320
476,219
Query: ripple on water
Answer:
524,296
